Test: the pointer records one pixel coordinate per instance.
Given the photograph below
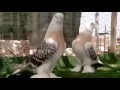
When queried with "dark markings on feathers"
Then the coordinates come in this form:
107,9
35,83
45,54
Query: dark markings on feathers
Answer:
91,53
43,53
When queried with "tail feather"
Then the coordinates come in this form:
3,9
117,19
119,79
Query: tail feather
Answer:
25,71
97,65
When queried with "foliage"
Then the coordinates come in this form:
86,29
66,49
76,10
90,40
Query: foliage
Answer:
111,67
7,64
108,58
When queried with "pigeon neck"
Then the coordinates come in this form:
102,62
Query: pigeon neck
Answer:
54,33
86,32
54,29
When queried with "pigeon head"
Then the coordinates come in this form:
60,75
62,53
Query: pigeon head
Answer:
88,27
57,19
59,16
56,23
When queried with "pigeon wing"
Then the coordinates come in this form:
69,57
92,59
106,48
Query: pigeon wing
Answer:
90,51
43,53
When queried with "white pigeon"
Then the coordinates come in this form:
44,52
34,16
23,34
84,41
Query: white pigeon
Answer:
83,49
51,49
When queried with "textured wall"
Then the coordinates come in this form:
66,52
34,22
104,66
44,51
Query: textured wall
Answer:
14,47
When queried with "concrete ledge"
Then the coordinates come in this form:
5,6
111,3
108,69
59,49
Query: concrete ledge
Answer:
14,48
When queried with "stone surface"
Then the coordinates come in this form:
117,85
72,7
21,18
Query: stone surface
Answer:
14,48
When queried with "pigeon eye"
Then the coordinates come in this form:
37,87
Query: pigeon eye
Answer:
92,23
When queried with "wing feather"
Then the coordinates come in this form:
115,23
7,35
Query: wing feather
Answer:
43,53
90,51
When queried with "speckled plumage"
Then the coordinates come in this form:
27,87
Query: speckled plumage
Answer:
91,52
43,53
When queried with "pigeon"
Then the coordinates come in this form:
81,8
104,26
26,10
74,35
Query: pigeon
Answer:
48,53
83,49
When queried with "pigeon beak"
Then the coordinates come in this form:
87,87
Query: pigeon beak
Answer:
59,19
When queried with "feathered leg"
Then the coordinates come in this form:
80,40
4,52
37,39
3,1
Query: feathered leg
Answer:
78,67
87,66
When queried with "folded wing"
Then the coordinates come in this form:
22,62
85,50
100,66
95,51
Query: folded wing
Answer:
43,53
90,51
